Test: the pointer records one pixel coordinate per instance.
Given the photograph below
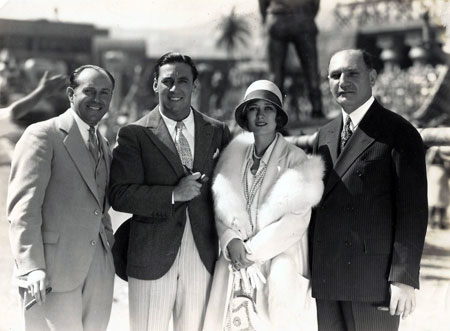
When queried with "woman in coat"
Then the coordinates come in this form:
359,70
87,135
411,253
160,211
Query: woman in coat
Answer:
264,189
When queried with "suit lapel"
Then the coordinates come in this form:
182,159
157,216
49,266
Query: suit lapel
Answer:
203,139
160,136
333,138
106,152
78,151
362,138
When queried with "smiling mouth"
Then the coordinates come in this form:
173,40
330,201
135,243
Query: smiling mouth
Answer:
175,99
260,123
96,108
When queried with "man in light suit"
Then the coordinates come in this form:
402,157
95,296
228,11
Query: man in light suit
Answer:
60,230
158,174
368,231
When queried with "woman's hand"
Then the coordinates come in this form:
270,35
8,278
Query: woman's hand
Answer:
238,254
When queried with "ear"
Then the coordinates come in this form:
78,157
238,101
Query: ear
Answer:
373,77
69,93
196,84
155,85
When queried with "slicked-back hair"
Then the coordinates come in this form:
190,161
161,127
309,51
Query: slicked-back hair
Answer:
73,82
173,57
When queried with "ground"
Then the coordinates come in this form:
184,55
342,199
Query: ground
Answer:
432,313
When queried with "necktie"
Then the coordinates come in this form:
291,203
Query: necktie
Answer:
346,132
182,146
93,144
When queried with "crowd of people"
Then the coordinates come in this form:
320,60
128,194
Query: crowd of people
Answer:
226,233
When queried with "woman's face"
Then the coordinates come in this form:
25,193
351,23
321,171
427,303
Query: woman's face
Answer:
261,117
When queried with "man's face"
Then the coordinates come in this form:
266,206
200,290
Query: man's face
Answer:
350,80
174,86
91,98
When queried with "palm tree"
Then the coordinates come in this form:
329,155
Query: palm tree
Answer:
234,31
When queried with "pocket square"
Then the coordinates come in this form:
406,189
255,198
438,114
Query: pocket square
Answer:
216,154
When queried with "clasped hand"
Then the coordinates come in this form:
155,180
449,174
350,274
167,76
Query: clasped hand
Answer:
187,188
238,254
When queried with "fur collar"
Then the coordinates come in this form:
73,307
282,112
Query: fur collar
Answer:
296,186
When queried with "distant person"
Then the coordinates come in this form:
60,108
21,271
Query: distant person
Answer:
368,231
292,21
60,231
264,189
11,115
159,173
438,187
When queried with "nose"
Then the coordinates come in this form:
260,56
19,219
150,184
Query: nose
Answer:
173,88
259,113
343,79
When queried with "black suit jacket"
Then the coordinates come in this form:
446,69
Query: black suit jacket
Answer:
144,171
370,226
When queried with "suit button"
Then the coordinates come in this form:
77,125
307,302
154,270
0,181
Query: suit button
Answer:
349,263
348,243
93,243
359,173
96,212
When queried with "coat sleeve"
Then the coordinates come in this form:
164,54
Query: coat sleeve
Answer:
30,175
278,236
129,191
411,207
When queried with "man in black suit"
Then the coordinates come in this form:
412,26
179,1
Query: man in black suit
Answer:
156,176
367,234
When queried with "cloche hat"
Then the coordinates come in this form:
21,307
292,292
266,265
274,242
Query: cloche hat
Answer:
261,90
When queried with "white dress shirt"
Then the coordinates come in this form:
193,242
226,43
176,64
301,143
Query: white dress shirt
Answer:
189,132
357,115
83,127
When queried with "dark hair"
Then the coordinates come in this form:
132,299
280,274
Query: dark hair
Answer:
278,118
73,83
173,57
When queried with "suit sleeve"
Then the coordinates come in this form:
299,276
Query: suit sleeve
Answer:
411,207
129,192
30,174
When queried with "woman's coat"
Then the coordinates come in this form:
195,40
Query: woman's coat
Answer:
291,187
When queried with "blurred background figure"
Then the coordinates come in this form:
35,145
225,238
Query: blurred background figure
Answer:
39,104
293,22
438,161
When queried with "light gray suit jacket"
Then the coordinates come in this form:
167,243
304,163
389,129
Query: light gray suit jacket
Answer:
54,209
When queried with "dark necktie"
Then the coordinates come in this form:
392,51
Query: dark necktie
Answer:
346,132
93,144
182,146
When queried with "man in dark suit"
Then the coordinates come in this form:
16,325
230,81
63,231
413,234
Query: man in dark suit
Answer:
368,231
156,175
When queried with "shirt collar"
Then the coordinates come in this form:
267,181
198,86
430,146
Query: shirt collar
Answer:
188,122
357,115
83,127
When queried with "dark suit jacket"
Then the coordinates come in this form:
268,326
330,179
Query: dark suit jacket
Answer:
370,226
144,171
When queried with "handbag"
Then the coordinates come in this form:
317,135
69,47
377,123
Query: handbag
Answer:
242,314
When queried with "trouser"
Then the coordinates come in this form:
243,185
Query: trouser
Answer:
354,316
182,292
86,308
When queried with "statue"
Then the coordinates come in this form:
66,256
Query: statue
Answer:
289,21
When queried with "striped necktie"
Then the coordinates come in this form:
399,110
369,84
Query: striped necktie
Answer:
182,145
93,144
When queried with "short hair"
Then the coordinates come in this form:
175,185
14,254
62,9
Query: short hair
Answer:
73,82
173,57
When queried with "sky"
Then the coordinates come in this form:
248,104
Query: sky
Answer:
126,14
